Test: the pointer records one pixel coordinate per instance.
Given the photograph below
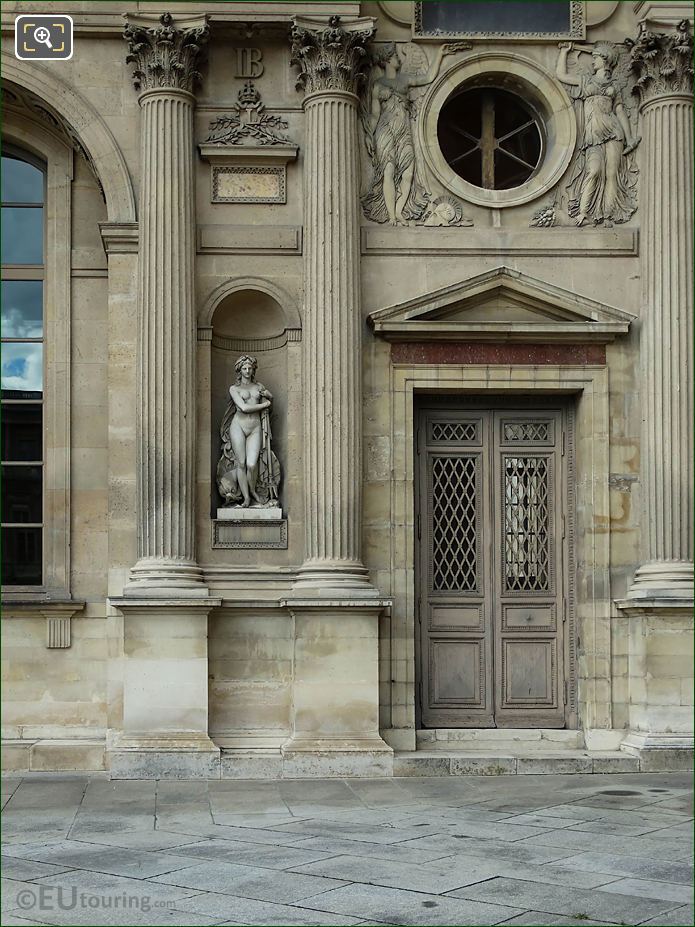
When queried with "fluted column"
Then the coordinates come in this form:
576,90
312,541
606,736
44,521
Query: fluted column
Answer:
165,57
663,65
331,59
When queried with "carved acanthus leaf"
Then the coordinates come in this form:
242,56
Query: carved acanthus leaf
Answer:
331,58
663,63
165,55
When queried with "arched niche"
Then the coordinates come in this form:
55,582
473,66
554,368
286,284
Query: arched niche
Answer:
247,317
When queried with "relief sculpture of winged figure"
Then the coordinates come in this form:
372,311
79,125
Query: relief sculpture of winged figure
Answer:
602,185
396,193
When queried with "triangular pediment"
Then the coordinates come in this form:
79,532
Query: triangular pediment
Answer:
501,304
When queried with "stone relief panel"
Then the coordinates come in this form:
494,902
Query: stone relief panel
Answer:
248,123
395,189
602,185
248,472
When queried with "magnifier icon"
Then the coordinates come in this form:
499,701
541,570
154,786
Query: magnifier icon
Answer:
42,35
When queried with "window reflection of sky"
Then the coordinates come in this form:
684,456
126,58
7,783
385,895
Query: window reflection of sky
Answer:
21,182
22,309
22,235
22,366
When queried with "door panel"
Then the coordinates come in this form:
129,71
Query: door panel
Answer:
491,608
455,636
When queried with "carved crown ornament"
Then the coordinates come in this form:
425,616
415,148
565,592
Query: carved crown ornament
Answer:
165,55
330,57
663,63
248,123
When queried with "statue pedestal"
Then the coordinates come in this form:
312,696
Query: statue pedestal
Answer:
236,513
251,528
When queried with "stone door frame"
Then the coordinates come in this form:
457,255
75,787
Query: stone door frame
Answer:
488,598
591,529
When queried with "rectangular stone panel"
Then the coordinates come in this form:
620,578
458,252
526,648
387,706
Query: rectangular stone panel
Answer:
253,534
251,183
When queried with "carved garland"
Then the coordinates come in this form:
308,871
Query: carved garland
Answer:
165,56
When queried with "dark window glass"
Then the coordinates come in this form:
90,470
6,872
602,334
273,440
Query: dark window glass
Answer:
21,556
22,372
22,432
490,138
21,181
22,308
22,235
21,494
496,16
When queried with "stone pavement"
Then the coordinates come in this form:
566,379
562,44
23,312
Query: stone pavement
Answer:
514,850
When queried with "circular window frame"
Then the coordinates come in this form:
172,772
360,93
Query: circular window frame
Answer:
542,94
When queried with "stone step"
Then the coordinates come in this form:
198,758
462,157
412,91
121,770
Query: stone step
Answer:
493,763
499,740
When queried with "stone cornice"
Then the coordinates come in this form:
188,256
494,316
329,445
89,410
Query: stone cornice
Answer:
330,56
663,63
165,55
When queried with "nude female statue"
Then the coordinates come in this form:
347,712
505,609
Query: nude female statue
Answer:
248,472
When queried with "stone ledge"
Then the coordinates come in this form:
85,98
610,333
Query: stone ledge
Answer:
43,755
458,763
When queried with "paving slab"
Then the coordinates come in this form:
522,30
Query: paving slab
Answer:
561,899
250,911
490,849
435,878
679,917
249,882
637,866
23,870
396,906
264,857
536,918
335,846
580,840
9,920
648,888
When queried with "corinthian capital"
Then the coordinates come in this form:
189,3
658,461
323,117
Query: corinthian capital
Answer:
165,52
330,57
663,63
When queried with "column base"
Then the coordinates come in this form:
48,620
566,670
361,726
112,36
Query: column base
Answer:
663,579
154,576
367,756
334,577
660,752
173,756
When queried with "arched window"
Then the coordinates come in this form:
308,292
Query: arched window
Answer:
23,235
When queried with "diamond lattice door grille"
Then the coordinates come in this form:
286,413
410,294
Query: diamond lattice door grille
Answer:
454,432
526,431
454,524
526,524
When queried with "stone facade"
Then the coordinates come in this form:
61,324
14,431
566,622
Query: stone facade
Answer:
266,179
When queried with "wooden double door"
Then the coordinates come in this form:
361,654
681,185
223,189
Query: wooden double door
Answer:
493,500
